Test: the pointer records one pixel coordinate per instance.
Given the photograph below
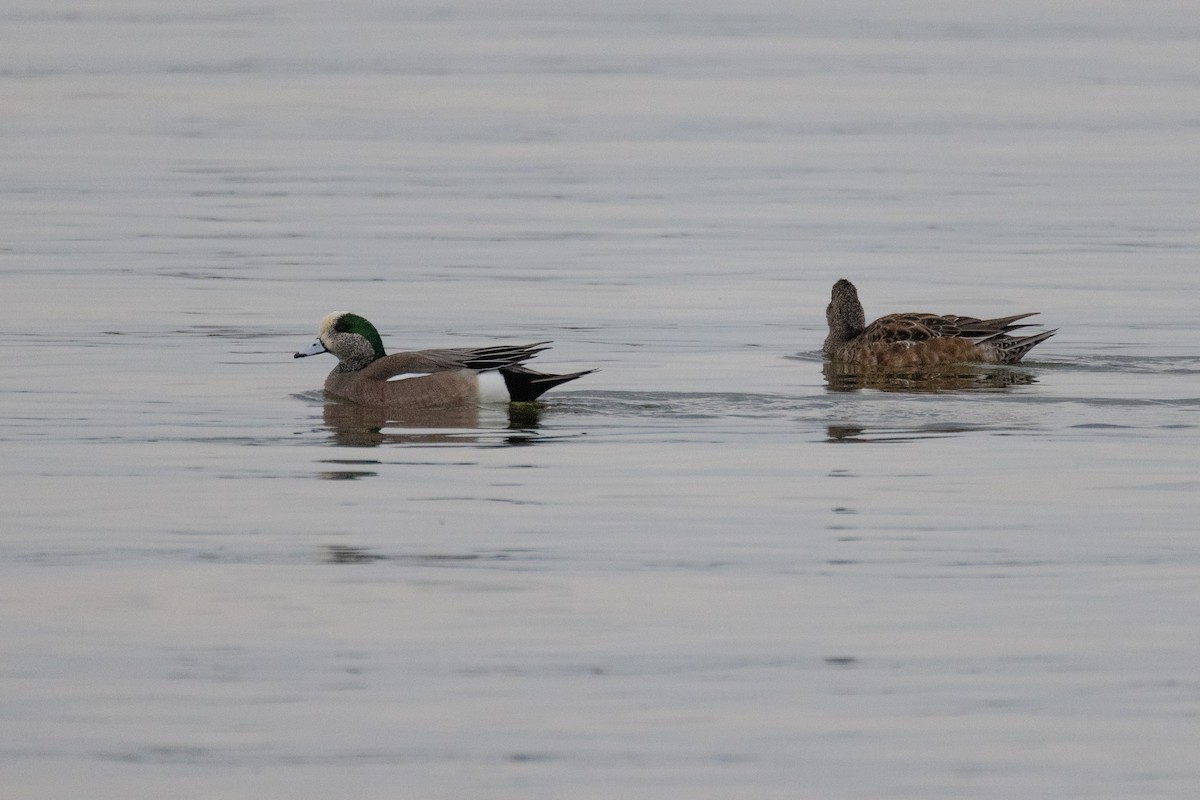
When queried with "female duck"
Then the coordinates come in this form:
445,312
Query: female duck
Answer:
365,374
917,340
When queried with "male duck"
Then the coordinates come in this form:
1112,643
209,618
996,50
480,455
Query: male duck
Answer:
365,374
916,340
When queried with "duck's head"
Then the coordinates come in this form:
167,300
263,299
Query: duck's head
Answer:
844,314
348,336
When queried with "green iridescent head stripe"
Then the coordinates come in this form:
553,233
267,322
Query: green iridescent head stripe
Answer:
353,323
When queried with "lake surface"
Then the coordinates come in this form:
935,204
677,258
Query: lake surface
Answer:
704,571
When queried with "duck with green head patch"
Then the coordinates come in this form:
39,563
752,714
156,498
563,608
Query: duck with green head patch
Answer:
367,375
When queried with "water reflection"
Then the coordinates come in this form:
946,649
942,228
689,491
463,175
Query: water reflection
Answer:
843,433
346,474
854,434
347,554
963,378
363,426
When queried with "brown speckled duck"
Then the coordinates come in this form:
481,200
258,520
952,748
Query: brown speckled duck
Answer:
365,374
919,340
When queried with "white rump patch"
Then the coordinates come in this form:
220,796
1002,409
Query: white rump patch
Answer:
403,376
492,388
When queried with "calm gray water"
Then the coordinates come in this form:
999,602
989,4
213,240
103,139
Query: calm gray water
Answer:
702,572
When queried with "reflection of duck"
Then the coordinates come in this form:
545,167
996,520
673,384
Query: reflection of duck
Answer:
847,377
919,340
846,434
369,426
365,374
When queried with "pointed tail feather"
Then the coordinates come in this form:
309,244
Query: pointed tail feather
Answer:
1015,348
498,356
526,385
1007,322
970,328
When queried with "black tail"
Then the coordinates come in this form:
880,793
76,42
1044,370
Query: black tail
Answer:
525,385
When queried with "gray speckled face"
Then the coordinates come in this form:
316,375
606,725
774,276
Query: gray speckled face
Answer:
346,323
324,331
349,337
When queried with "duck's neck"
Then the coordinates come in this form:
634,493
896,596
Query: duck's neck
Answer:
351,365
845,323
